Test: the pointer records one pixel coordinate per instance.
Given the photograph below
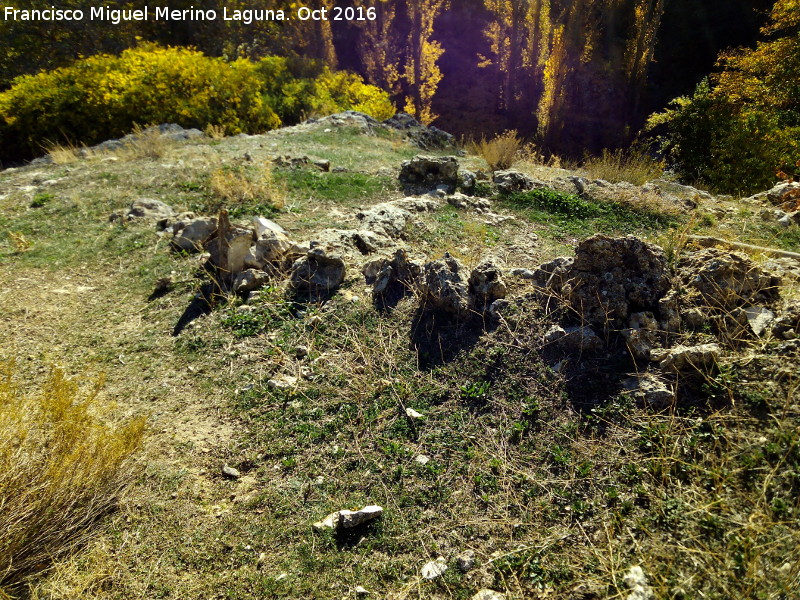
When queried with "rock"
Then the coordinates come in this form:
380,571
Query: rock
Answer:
636,581
353,518
262,225
271,247
650,389
249,281
230,247
317,273
422,174
726,279
553,274
193,234
574,339
386,219
433,569
641,336
486,594
778,194
427,138
412,414
444,287
486,285
789,219
759,318
523,273
392,278
467,180
699,358
422,460
510,181
282,382
361,591
466,560
146,208
787,325
668,312
230,472
348,519
609,277
323,165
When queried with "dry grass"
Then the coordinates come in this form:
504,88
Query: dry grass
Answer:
501,152
19,242
239,187
634,165
215,132
146,142
64,154
61,469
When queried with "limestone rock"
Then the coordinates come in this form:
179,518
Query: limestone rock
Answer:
650,389
486,285
147,208
263,225
636,581
759,318
250,280
687,358
230,248
574,339
434,568
466,560
230,472
191,235
444,286
422,174
487,594
427,138
317,273
392,277
510,181
726,279
348,519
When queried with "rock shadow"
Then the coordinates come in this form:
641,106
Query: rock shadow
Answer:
438,338
201,304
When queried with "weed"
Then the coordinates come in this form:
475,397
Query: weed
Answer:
215,132
64,154
41,199
61,469
19,241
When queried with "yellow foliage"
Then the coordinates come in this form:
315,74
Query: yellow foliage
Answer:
61,469
500,152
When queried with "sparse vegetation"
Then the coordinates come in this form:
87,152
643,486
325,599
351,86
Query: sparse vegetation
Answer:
61,469
634,165
246,190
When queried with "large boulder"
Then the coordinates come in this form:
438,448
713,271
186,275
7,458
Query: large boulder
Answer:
423,174
725,280
317,273
610,279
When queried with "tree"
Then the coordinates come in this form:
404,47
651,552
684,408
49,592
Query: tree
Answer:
421,73
743,125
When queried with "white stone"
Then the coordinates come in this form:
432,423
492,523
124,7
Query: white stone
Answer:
412,414
433,569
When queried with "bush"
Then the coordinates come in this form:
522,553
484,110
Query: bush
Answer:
500,152
743,126
61,469
103,96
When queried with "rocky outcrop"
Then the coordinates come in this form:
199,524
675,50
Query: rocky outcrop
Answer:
486,285
427,138
510,181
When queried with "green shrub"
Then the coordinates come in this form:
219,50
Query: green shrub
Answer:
61,469
103,96
743,126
